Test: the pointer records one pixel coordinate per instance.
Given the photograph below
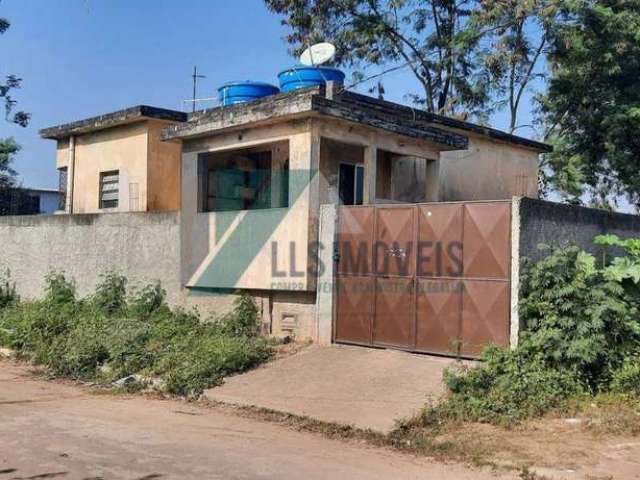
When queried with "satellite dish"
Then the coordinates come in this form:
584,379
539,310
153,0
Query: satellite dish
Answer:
318,54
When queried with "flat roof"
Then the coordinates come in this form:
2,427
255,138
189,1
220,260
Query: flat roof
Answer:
349,106
119,117
432,118
448,133
304,103
40,190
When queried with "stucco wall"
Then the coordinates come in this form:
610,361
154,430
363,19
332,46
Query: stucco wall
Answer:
144,247
556,224
234,249
122,148
488,170
149,169
163,170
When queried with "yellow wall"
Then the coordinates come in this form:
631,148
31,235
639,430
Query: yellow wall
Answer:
62,153
122,148
207,235
163,176
149,170
488,170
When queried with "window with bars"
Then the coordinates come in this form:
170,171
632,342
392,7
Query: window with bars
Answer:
63,173
109,189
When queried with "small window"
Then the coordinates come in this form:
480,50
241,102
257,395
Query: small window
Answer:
109,189
62,188
351,184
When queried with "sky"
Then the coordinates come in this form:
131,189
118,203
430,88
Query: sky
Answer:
81,58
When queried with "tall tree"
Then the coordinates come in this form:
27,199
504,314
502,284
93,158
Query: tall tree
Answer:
8,146
10,83
593,101
432,38
517,35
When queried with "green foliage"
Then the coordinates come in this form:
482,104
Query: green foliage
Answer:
581,337
9,196
507,388
593,97
626,379
8,294
59,290
8,150
622,268
242,320
203,360
147,300
518,33
110,335
111,293
433,39
10,83
578,318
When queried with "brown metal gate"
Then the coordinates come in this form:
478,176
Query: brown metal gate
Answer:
428,277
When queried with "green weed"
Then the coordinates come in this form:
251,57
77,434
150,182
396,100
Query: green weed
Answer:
581,339
114,334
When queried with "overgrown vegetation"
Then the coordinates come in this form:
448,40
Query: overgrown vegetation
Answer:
8,295
114,334
581,344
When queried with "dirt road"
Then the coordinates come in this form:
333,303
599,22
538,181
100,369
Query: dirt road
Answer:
55,430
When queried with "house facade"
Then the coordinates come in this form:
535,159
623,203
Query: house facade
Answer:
248,184
117,162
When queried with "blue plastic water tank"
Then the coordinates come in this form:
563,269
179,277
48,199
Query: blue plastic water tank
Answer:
304,77
244,91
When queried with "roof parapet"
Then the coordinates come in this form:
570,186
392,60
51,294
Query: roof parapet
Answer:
119,117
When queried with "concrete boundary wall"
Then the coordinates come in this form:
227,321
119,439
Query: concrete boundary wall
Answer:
555,224
144,247
539,222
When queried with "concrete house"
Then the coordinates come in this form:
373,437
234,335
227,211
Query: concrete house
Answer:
314,202
117,163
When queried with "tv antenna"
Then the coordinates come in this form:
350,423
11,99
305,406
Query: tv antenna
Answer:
195,77
318,54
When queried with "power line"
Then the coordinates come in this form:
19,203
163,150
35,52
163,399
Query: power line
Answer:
380,74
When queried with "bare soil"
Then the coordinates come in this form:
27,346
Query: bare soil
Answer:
55,429
553,448
60,429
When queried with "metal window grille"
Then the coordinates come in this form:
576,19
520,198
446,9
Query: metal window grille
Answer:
62,188
109,189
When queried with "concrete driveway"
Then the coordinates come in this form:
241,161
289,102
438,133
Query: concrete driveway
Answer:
363,387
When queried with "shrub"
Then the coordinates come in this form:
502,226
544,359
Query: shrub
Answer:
581,337
59,290
243,319
110,336
626,379
507,388
203,361
147,300
578,318
8,294
111,293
